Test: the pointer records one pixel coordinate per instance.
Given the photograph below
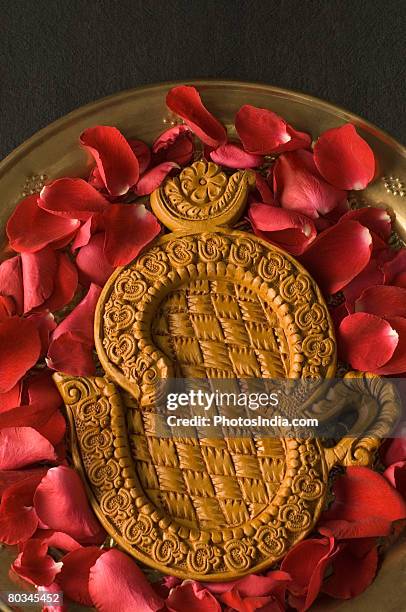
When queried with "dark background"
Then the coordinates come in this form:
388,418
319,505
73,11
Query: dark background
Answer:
57,55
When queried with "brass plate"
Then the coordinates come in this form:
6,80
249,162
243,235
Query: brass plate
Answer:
55,152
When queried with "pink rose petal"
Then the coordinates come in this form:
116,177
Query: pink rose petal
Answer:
233,156
35,565
261,131
74,576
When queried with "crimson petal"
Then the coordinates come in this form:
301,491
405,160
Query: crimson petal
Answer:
18,519
11,282
394,450
233,156
80,320
11,398
61,503
115,577
72,198
344,159
371,275
169,137
397,363
365,505
48,227
65,284
74,576
185,102
21,446
298,186
128,229
38,270
92,262
285,228
338,255
20,347
191,596
261,131
115,159
366,341
35,565
71,354
377,220
382,301
142,153
152,179
354,568
395,269
264,190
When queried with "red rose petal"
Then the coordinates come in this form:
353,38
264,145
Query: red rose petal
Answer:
366,341
48,227
299,187
115,159
128,229
185,102
91,226
20,347
142,153
365,505
397,363
52,607
40,388
298,140
344,159
11,282
37,416
57,539
21,446
371,275
382,301
152,179
81,319
61,503
39,270
169,137
233,156
72,198
92,263
18,519
65,284
35,565
71,354
7,307
354,569
46,324
115,577
338,255
396,475
287,229
261,131
395,270
306,563
192,596
180,152
377,220
11,398
74,576
394,450
264,190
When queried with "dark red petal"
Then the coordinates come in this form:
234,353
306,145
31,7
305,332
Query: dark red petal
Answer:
11,282
191,596
61,503
396,475
92,263
377,220
338,255
152,179
88,229
35,565
21,446
128,229
395,269
80,320
7,307
72,198
38,270
185,102
371,275
366,341
397,363
115,577
74,576
65,284
11,398
40,388
261,131
71,354
344,158
353,570
48,228
394,450
306,563
20,347
264,190
57,539
169,137
365,505
382,301
115,159
299,187
180,152
233,156
142,153
18,519
287,229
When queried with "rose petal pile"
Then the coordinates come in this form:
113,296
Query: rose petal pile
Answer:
67,241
